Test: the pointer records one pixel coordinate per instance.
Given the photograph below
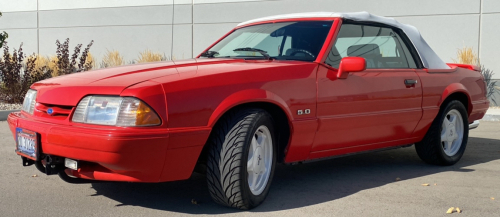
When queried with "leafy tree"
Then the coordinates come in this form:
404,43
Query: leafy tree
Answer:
3,36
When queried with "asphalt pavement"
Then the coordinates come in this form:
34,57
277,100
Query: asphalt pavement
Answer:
359,185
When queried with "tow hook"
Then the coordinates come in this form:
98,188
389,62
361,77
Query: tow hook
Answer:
53,165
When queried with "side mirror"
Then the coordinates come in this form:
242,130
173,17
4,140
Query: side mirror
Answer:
351,64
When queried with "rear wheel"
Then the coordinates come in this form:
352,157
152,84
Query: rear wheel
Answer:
241,159
446,139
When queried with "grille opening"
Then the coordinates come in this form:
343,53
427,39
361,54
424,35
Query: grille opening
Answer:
54,110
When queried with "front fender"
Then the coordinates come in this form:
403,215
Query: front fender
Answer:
248,96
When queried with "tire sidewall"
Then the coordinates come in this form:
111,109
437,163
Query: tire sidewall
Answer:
262,118
463,112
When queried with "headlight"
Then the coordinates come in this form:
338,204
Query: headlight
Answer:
116,111
29,101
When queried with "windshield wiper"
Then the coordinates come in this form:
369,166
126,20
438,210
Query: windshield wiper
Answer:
263,53
209,54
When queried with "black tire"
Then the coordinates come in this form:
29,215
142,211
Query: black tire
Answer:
229,145
430,149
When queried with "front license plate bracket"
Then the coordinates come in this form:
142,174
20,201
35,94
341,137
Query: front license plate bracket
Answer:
27,145
27,162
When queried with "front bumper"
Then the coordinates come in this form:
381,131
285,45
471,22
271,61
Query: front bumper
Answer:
119,154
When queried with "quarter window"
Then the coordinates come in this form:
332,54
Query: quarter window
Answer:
382,47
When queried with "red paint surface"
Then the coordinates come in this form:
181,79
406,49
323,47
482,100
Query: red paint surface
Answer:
368,110
368,107
350,64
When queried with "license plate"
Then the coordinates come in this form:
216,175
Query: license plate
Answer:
26,143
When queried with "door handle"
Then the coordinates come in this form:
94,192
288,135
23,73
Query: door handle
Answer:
410,82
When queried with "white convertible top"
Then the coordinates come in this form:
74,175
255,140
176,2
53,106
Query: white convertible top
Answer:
429,58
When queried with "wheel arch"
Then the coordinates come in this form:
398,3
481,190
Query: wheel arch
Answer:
282,123
262,99
456,91
245,97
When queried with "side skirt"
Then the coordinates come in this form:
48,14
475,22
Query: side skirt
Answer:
349,154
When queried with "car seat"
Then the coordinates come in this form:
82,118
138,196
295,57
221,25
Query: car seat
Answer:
371,52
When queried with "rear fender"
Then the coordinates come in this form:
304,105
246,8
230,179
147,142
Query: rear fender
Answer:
456,88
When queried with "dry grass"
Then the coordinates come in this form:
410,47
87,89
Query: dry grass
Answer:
150,56
40,61
466,55
43,63
112,58
52,65
90,61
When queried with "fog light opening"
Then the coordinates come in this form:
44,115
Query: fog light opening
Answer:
71,164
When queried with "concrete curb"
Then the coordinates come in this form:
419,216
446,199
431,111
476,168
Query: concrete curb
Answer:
493,114
4,114
489,117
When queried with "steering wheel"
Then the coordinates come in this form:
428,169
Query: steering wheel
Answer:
302,51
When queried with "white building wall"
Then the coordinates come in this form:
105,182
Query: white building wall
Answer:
183,28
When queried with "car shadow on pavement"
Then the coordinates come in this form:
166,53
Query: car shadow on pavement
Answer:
300,185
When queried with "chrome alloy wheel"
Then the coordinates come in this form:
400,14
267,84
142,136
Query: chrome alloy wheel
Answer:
260,160
452,132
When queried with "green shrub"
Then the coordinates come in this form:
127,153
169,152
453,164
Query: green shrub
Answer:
491,85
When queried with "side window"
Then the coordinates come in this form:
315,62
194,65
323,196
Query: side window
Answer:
382,47
287,45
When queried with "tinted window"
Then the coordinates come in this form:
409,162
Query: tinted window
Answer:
381,47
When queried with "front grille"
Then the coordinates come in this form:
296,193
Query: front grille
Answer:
53,110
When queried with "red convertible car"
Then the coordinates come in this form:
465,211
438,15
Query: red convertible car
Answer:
282,89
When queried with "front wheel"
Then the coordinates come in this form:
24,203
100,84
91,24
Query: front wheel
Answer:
446,139
241,159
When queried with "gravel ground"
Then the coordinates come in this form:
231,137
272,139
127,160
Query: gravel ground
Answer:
7,106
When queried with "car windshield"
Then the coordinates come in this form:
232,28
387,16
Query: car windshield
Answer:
282,41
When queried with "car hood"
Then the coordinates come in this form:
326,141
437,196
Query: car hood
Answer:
67,90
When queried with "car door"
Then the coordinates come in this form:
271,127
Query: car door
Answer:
374,108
